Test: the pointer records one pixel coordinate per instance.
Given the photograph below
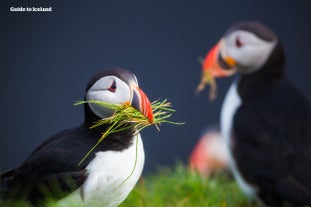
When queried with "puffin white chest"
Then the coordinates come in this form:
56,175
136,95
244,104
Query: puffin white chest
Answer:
111,176
231,104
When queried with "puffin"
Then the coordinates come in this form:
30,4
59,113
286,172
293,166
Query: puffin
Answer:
265,120
106,177
209,154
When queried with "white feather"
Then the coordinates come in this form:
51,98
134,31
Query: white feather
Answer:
231,104
109,177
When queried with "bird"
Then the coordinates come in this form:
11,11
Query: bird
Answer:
108,174
265,120
209,154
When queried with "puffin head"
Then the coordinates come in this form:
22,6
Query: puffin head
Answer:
115,85
246,48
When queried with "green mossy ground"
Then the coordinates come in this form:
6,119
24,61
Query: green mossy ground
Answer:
180,187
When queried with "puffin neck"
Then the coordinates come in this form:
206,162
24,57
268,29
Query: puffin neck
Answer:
89,117
122,138
271,73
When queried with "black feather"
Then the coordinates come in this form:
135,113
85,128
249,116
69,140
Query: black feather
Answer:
272,138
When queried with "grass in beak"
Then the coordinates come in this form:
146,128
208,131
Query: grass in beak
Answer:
208,78
125,117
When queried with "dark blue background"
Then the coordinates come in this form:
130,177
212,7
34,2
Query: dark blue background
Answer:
47,59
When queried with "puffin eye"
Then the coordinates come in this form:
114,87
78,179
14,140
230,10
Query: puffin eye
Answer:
238,42
113,86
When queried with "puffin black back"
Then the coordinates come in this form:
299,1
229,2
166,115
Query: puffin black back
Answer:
52,170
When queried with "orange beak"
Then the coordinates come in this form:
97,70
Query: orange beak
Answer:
219,65
141,102
214,65
210,62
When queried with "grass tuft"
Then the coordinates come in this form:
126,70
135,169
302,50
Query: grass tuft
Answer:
208,78
125,117
176,187
181,187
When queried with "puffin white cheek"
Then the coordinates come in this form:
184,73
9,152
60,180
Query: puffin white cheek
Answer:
100,111
107,96
118,97
252,57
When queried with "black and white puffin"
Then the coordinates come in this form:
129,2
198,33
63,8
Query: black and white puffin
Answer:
265,120
108,175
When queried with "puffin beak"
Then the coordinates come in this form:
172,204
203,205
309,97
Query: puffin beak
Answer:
141,102
217,63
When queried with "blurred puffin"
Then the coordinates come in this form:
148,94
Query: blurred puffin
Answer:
210,154
108,175
265,120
